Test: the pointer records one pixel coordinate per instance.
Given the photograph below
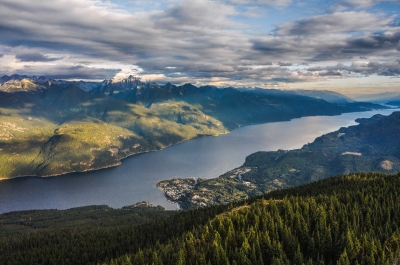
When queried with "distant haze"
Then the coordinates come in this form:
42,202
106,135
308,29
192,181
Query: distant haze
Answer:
348,46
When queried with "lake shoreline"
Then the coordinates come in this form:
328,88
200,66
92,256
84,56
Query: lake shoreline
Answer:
234,185
136,178
119,162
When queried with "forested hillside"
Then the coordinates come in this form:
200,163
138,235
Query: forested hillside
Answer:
81,218
351,219
371,146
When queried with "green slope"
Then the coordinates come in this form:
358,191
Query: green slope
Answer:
58,130
341,220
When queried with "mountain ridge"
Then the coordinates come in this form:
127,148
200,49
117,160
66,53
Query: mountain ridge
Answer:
153,118
112,87
6,82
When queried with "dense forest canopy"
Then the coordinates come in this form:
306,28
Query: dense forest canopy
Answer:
350,219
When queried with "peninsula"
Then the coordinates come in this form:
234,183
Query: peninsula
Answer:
371,146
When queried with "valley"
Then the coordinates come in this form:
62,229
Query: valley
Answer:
49,129
137,176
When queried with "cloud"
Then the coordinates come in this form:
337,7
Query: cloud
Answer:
359,4
332,37
353,4
284,64
60,70
360,68
195,31
194,40
69,72
34,57
340,22
195,14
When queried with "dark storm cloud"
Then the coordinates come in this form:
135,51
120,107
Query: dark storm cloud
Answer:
34,57
342,36
332,23
375,41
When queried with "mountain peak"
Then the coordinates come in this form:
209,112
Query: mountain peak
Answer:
189,86
168,85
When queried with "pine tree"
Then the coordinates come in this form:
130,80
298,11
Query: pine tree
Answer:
343,259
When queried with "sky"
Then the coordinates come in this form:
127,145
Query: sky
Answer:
349,46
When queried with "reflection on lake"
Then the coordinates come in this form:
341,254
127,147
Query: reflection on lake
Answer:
136,178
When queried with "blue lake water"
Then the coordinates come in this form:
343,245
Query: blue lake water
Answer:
135,180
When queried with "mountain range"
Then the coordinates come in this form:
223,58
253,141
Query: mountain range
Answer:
394,102
16,82
379,98
329,96
51,127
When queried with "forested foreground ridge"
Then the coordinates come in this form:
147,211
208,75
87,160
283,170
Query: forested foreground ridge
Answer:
371,146
51,127
352,219
82,218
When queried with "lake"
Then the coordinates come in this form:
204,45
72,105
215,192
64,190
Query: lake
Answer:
136,178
